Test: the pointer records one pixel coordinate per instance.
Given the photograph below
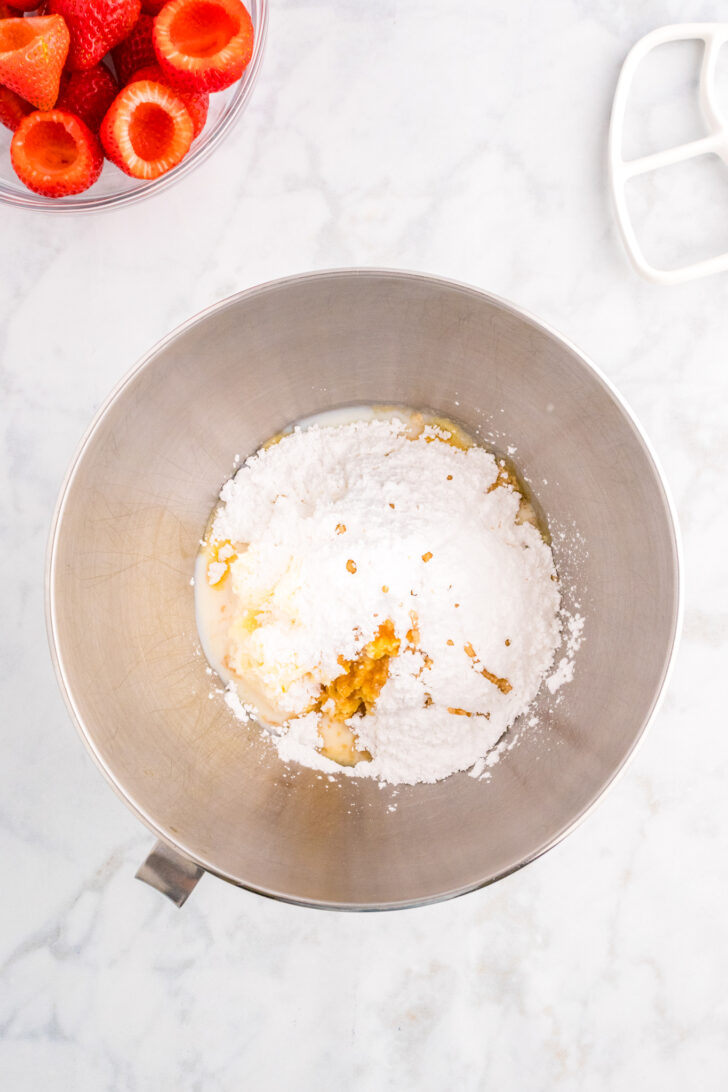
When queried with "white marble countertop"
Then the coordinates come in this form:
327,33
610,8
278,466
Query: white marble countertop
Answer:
465,139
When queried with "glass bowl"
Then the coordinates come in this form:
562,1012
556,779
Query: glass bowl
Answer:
114,188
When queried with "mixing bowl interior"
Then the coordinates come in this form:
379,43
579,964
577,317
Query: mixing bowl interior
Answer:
136,502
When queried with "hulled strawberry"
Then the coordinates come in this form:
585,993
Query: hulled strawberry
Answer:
96,26
53,153
88,94
147,130
203,45
196,102
32,54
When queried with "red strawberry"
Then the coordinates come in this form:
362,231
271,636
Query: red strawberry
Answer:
196,102
32,54
21,6
147,131
12,108
55,154
88,95
96,26
135,51
153,7
6,12
203,45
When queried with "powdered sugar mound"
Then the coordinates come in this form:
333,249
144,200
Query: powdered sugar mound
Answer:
339,529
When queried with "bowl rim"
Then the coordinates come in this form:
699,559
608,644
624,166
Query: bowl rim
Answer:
26,199
98,420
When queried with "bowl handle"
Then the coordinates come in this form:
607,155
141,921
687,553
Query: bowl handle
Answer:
171,873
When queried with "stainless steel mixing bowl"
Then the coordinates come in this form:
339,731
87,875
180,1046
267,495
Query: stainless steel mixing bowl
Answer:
129,520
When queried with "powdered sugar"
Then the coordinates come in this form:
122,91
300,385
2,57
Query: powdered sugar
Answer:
336,530
573,626
564,673
216,570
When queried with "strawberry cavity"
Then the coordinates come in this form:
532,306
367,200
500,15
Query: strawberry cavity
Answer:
196,102
203,45
147,130
53,153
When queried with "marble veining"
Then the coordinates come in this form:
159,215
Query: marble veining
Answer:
467,140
